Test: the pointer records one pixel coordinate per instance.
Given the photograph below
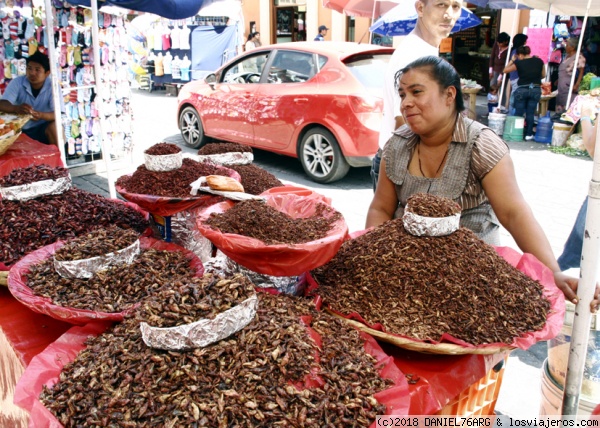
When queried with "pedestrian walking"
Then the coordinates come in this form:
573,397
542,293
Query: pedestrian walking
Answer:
322,33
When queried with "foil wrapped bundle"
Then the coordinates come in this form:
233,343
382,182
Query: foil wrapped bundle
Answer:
221,264
203,332
162,163
229,158
36,189
430,226
185,234
86,268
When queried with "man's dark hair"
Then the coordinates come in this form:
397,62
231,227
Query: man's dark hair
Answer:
503,38
39,58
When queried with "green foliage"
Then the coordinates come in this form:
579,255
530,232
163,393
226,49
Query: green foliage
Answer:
586,82
569,151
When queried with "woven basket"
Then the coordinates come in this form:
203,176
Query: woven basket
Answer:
427,348
5,143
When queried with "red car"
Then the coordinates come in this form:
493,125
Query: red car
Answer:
318,101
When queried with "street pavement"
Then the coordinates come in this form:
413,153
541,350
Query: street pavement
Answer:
554,185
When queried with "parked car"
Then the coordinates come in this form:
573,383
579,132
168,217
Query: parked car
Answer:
318,101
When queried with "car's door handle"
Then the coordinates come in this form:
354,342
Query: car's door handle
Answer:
301,100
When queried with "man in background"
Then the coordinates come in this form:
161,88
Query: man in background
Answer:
322,33
435,20
32,94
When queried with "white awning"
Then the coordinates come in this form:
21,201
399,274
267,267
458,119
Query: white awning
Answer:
230,8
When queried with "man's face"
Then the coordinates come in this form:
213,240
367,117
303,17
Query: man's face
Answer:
323,32
36,74
438,17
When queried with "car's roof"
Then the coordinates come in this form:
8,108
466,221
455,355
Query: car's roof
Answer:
339,49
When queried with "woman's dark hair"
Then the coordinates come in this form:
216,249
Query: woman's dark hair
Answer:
519,40
441,71
523,50
503,38
250,36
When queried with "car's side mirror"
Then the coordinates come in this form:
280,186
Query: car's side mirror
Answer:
211,79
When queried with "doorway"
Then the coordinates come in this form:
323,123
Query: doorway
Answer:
290,24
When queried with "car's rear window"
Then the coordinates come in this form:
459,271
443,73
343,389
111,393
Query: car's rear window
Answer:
369,69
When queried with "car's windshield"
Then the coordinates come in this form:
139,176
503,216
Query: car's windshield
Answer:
369,69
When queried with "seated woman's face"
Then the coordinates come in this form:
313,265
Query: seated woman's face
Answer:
425,106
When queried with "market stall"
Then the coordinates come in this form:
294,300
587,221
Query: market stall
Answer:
261,310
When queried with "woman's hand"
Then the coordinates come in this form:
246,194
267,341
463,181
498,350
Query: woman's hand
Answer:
568,285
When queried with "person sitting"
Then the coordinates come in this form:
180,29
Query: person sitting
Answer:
443,152
32,94
531,71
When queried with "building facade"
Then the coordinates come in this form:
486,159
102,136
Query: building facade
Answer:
280,21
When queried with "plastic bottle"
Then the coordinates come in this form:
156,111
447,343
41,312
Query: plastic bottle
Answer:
543,132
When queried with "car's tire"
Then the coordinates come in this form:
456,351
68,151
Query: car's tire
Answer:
191,128
321,157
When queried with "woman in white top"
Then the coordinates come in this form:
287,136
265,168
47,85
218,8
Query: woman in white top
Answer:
252,42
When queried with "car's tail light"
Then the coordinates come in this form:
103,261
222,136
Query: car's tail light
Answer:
365,104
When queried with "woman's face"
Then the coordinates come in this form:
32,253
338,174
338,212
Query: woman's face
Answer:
425,106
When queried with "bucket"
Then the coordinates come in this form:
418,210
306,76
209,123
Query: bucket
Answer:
543,130
552,397
496,122
558,355
560,134
513,128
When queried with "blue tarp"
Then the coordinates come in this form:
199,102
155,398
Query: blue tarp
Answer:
211,48
170,9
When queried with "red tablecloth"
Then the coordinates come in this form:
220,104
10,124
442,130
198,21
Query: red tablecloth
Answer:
26,152
23,334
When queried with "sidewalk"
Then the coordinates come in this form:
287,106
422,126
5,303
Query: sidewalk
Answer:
554,186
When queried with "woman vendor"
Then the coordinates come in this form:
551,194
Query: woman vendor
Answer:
442,152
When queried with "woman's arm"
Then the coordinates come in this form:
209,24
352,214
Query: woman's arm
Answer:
580,73
510,67
503,192
385,201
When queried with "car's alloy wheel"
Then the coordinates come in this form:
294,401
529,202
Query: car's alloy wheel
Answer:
191,128
321,156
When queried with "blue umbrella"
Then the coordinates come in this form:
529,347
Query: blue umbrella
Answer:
499,4
401,20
